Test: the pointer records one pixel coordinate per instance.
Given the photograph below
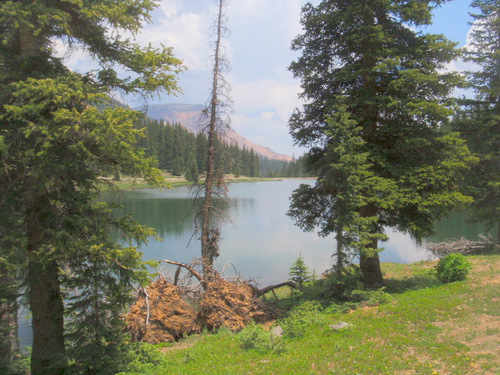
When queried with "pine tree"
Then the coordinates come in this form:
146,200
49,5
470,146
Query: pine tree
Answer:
479,119
60,134
299,272
387,76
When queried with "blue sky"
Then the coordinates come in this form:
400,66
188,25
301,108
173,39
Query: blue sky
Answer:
263,90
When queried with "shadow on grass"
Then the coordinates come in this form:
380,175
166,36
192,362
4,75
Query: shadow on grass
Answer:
414,282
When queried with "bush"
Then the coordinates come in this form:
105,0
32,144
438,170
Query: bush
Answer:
341,285
302,317
453,267
255,337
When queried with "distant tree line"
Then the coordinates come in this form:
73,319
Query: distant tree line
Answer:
182,152
281,168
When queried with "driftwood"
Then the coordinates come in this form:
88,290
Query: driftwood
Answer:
461,246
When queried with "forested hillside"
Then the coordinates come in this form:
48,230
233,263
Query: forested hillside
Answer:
182,152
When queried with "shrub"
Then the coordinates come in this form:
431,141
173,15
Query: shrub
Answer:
255,337
453,267
302,317
341,285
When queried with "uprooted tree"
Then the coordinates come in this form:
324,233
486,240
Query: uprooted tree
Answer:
174,306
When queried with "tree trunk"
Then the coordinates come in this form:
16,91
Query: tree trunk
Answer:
371,274
43,293
8,320
369,263
498,233
207,246
46,303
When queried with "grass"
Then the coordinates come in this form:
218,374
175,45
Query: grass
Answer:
127,183
426,328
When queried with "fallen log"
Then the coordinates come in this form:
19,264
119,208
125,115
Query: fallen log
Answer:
261,292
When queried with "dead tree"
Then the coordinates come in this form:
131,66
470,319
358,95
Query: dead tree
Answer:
215,122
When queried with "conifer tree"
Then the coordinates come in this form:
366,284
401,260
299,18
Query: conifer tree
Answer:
478,121
60,135
387,75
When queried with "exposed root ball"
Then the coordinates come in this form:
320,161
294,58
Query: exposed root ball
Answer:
232,306
170,317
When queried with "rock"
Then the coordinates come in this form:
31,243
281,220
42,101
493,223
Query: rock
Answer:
339,326
277,332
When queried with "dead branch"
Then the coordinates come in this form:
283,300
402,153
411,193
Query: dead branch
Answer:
261,292
146,297
189,268
461,246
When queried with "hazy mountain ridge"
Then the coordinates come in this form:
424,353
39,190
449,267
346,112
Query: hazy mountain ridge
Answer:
188,115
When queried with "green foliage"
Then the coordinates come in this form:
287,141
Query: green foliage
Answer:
478,119
341,285
301,318
255,337
453,267
299,272
61,138
375,104
180,151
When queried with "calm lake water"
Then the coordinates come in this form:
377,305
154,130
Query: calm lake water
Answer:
262,242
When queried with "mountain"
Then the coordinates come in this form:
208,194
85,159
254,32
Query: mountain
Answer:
188,115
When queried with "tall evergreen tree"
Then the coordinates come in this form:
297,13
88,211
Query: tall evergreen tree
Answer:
479,119
60,134
388,76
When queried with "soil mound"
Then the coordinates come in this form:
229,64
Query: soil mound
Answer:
161,314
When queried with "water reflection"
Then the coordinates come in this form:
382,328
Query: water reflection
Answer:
260,241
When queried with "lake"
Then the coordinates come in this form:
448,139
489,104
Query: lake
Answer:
261,242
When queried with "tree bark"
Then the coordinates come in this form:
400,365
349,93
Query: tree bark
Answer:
371,274
369,262
207,253
43,294
46,304
8,320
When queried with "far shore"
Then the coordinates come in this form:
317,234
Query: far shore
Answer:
128,183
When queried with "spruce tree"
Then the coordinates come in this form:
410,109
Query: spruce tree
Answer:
478,120
61,137
368,54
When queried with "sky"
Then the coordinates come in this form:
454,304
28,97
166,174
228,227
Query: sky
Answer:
258,48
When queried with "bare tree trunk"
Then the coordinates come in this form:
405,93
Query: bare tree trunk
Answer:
214,177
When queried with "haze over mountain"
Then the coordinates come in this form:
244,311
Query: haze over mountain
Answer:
188,115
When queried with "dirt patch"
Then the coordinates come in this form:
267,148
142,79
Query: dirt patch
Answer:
481,338
160,314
